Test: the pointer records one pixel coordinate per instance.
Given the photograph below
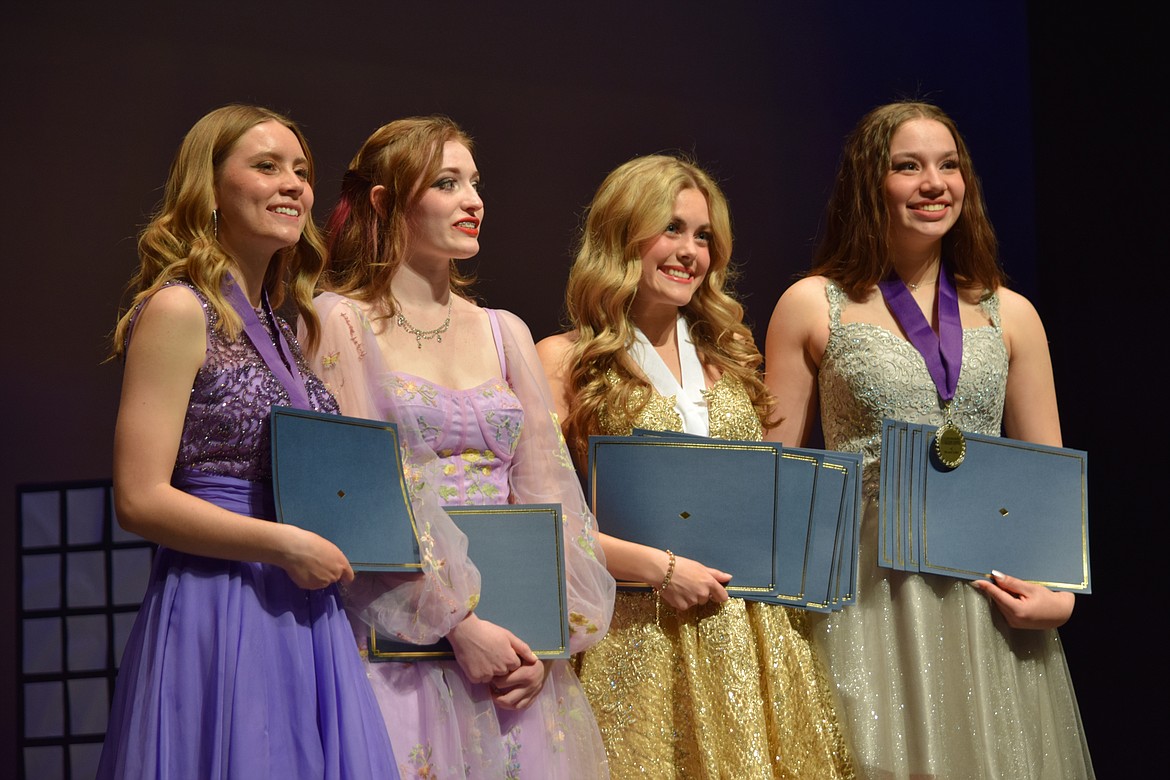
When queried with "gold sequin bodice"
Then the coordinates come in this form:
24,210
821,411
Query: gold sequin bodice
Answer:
729,411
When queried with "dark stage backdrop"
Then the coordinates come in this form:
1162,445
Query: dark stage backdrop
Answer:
98,96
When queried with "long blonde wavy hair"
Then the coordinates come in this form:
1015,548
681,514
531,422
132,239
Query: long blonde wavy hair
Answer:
634,205
179,242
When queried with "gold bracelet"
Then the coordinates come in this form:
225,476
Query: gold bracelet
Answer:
669,573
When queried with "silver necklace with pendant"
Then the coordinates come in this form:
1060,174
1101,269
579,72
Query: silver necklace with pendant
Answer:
419,335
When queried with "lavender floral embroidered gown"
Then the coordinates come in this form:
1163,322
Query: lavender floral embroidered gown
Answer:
490,444
231,670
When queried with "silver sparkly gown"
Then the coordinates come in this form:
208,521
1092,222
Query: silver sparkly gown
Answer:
929,679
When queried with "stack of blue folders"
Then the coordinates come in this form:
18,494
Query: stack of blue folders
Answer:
342,478
1010,505
782,521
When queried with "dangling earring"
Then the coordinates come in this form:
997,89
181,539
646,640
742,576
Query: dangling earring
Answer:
215,223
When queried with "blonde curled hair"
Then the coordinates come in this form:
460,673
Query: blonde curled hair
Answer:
180,241
632,206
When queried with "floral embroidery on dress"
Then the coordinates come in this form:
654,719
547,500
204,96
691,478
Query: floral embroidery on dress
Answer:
512,748
562,452
585,542
419,763
329,361
554,725
413,477
580,624
506,427
427,431
426,546
411,390
354,338
478,467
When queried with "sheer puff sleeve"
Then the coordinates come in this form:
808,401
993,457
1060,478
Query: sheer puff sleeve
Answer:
415,608
543,472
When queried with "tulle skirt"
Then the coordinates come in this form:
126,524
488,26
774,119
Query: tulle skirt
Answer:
232,671
931,682
444,726
730,690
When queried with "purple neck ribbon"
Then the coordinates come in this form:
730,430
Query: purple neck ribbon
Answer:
942,352
278,357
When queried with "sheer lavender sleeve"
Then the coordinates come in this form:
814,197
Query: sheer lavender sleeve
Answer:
415,608
543,472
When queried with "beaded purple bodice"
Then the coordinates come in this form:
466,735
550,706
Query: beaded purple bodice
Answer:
226,428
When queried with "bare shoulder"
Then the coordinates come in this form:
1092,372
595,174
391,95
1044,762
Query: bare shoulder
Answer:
1016,308
1023,332
176,300
553,349
174,312
802,305
806,294
169,340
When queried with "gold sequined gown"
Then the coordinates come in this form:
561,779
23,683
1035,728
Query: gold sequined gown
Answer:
719,691
930,681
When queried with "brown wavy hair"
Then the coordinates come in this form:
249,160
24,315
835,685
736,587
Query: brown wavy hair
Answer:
634,205
367,247
179,242
855,250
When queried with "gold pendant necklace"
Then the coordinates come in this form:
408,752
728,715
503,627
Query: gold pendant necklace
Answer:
419,335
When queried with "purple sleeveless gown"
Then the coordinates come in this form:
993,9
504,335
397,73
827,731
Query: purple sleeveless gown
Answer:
231,670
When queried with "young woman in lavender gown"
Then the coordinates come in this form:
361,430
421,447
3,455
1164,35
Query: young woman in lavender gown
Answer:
241,662
402,340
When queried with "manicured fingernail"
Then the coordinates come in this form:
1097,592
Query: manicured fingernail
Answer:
996,574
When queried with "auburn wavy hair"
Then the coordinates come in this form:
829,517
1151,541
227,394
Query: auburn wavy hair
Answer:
855,249
634,205
179,242
367,245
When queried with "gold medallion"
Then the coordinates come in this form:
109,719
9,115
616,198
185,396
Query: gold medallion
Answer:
950,446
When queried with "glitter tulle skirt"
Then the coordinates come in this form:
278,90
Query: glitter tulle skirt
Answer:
717,691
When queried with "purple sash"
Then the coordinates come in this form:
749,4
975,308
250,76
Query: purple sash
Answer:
241,496
942,352
281,363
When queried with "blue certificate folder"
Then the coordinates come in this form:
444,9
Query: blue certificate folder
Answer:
341,477
519,551
1011,505
713,500
816,523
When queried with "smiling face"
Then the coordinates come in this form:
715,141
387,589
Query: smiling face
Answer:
262,193
924,187
445,222
676,261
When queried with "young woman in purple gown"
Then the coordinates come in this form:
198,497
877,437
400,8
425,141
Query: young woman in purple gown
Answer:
401,340
241,662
